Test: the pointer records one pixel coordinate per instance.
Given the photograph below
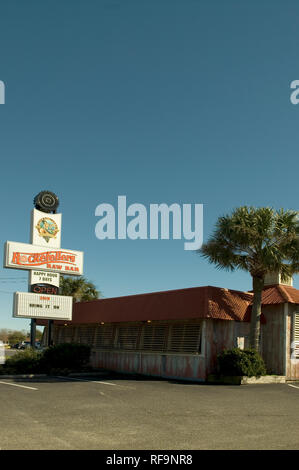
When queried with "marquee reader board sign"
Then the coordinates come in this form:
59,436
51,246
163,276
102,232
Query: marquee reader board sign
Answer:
51,307
26,256
42,282
45,229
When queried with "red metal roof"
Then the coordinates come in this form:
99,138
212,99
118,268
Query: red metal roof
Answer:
194,302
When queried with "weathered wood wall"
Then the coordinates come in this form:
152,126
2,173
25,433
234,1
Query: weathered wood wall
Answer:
273,339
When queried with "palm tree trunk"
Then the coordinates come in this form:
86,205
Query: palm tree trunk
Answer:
255,324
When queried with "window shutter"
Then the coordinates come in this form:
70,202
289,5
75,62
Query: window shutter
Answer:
127,337
86,335
296,335
154,338
66,334
185,338
104,337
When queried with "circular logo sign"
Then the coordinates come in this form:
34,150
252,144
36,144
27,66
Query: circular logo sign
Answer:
47,228
46,201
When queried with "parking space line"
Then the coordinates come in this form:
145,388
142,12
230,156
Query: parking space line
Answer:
290,385
17,385
85,380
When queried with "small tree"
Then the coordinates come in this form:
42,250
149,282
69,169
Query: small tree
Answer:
4,333
257,240
16,337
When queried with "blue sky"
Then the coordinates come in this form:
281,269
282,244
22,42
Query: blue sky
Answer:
159,100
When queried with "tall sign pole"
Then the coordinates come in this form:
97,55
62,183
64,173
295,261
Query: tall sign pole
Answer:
45,230
45,261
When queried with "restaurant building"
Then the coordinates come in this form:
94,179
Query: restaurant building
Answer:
177,334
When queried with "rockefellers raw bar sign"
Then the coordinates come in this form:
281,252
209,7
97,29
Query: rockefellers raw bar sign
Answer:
45,261
25,256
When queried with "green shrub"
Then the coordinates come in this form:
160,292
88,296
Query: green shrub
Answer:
69,356
23,362
236,361
55,360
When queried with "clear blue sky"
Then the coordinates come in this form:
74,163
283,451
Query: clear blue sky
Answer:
159,100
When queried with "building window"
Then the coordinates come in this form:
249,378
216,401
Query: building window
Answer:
154,338
185,338
104,337
127,337
86,335
66,334
179,337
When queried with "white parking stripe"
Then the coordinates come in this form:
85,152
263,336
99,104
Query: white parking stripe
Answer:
290,385
17,385
85,380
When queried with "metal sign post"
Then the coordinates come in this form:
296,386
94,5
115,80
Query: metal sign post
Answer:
41,282
32,332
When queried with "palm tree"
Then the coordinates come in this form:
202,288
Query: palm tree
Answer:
78,288
257,240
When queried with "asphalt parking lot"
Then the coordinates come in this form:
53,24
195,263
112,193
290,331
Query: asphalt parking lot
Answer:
118,412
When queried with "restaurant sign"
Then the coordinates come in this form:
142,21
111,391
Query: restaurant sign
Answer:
51,307
42,282
26,256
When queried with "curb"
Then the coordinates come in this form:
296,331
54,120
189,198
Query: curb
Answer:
88,374
243,380
73,374
264,379
224,380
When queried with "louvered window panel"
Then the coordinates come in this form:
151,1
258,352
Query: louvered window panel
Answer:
56,334
104,337
184,338
296,335
86,335
127,337
154,338
60,335
66,335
